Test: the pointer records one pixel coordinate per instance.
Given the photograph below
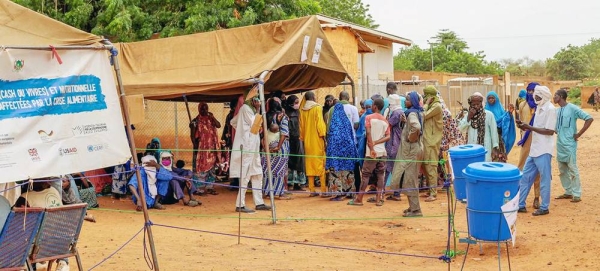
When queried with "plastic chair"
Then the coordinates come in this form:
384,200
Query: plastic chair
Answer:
4,211
58,235
16,238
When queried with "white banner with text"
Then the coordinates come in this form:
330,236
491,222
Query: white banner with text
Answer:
59,114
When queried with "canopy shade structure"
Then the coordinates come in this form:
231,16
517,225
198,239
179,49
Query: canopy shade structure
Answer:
20,26
216,66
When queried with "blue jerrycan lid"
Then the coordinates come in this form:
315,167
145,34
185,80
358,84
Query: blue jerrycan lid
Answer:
465,151
492,171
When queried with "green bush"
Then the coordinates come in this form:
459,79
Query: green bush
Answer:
574,96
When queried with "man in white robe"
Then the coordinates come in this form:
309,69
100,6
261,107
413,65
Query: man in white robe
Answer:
247,166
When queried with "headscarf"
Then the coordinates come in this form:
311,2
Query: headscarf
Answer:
368,103
416,107
431,92
274,110
544,93
150,175
395,102
158,149
340,133
478,121
167,154
531,102
504,121
521,98
200,104
529,98
497,109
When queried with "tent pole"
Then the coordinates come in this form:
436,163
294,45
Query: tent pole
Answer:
353,88
194,143
261,93
135,161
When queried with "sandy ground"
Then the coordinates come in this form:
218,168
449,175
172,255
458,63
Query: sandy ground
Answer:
564,240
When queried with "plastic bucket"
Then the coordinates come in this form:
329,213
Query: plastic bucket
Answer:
461,156
489,186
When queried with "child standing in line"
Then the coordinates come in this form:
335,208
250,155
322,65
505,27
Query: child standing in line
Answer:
378,132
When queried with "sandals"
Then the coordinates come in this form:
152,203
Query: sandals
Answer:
354,203
371,200
312,195
158,206
284,197
212,192
192,203
325,196
380,203
390,197
338,198
564,196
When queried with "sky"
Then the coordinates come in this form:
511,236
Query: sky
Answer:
502,29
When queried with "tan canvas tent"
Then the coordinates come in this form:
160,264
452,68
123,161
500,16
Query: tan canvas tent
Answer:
215,66
20,26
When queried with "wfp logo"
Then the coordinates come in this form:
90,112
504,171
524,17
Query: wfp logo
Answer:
95,148
67,151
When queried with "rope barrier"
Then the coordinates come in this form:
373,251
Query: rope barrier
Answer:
119,249
162,213
293,155
305,244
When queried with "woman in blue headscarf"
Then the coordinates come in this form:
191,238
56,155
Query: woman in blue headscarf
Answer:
505,123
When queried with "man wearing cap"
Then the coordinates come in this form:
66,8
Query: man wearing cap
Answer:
432,139
526,115
540,154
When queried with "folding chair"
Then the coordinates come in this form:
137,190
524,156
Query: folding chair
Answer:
58,235
16,238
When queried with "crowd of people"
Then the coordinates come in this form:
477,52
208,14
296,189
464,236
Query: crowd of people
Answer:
390,145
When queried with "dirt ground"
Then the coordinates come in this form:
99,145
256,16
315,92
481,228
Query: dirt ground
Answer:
564,240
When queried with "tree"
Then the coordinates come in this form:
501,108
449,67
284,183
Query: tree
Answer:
353,11
449,54
570,63
134,20
524,66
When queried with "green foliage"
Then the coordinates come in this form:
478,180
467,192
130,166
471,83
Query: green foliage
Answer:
574,96
348,10
570,63
449,55
134,20
524,66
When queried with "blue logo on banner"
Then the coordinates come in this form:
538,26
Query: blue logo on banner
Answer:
41,96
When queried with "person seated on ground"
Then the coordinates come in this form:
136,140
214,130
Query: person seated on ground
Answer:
120,176
155,181
178,184
69,196
43,195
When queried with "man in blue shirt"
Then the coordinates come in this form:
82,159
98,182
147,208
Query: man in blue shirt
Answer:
566,145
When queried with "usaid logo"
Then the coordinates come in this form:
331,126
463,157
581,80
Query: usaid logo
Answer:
67,151
95,148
